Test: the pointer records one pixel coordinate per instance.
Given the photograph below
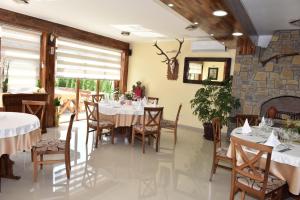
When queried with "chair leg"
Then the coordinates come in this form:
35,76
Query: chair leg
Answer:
67,165
243,194
100,135
87,135
143,142
41,159
31,155
97,138
157,141
113,135
213,169
132,137
35,166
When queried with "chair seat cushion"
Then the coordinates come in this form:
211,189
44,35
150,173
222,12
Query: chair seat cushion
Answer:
50,145
273,182
167,123
102,123
139,128
222,152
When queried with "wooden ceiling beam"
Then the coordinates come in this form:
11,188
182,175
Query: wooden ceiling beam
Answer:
25,21
222,28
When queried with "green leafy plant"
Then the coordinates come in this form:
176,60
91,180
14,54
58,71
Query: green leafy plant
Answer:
129,95
56,102
214,101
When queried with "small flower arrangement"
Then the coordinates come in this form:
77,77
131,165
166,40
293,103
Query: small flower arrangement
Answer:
128,95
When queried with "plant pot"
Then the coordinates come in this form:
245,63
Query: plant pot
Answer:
208,131
56,120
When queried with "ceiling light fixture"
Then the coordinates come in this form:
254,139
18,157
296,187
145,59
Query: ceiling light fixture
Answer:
237,34
220,13
171,5
196,23
125,33
211,34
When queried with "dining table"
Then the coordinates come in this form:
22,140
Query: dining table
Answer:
285,159
18,132
123,115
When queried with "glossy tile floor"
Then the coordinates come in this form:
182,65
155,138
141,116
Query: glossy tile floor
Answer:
120,171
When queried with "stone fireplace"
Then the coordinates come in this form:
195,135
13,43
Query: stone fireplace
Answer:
255,84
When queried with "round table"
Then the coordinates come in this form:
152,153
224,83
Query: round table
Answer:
284,165
121,115
18,132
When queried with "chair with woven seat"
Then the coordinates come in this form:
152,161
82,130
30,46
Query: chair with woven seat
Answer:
95,124
219,152
250,173
152,100
53,146
150,127
172,125
252,120
37,108
96,98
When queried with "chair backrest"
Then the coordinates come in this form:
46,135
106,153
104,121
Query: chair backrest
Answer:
250,164
152,117
35,108
216,125
252,119
152,99
92,111
96,98
69,133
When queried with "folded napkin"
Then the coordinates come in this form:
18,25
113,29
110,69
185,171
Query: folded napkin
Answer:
272,140
144,101
246,128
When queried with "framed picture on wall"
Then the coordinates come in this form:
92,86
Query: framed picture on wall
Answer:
213,73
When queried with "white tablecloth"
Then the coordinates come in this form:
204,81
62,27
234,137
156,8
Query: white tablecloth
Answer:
114,108
13,124
291,157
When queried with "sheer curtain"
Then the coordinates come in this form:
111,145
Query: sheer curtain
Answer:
21,49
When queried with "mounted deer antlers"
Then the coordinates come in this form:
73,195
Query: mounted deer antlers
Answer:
172,63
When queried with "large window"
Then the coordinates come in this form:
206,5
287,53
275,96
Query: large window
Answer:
21,49
80,68
85,61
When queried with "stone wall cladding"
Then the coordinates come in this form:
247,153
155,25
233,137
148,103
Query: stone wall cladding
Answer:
253,84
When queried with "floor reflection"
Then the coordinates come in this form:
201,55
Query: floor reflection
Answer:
121,171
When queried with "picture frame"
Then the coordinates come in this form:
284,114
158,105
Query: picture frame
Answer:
213,73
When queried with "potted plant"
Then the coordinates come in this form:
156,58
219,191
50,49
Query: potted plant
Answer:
128,97
213,101
56,103
4,73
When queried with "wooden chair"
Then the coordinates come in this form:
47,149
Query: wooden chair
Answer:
152,100
150,127
53,146
94,122
252,175
219,152
172,125
252,119
96,98
35,108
